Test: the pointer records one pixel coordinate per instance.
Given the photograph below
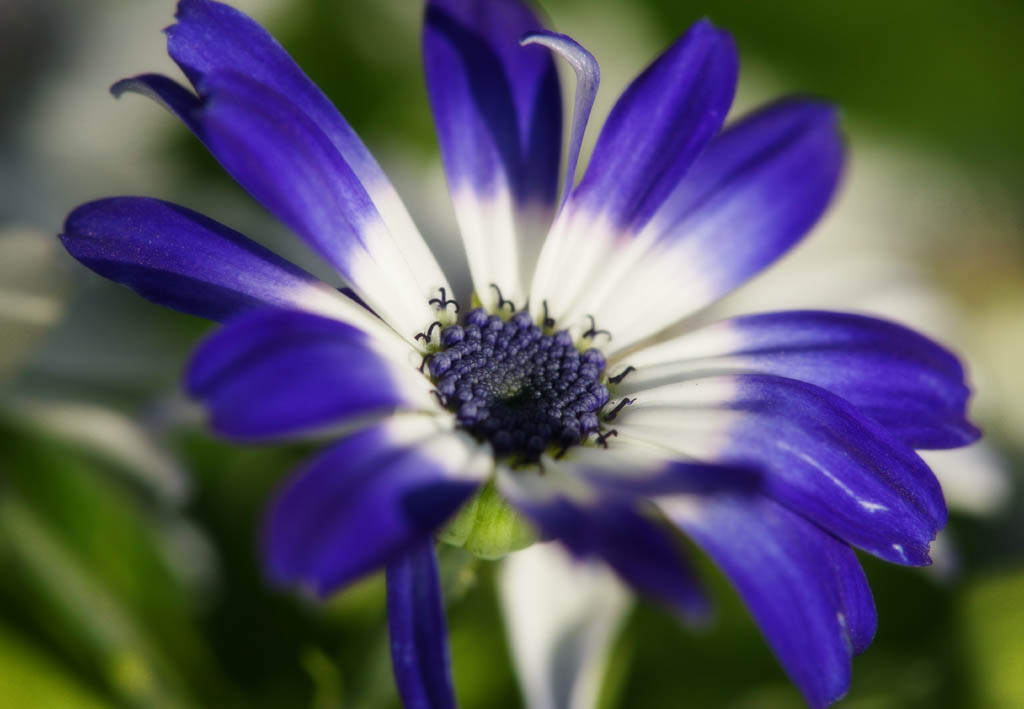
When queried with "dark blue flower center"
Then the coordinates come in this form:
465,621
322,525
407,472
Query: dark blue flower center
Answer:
522,389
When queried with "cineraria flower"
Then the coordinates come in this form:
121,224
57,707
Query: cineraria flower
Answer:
544,404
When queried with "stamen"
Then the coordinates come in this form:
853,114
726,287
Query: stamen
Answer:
443,302
501,301
602,438
593,331
548,322
436,323
621,375
618,407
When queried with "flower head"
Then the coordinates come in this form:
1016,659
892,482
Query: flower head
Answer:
777,441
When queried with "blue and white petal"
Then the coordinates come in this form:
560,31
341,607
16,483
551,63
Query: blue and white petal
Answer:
183,260
817,454
756,190
418,634
369,499
562,617
275,373
655,131
497,108
210,37
804,587
908,383
312,172
303,180
612,528
637,469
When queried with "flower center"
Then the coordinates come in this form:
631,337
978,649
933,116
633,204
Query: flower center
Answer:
512,384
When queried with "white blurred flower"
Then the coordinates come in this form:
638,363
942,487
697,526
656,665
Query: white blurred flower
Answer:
30,300
562,616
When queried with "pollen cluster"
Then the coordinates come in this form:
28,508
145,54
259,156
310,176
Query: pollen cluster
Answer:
512,384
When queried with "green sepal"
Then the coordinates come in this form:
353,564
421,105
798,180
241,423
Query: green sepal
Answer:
488,527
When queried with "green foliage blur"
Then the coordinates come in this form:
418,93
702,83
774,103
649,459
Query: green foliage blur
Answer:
130,575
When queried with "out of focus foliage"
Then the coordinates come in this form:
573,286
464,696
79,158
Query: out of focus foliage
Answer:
129,538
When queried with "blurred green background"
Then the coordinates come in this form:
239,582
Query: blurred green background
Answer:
129,570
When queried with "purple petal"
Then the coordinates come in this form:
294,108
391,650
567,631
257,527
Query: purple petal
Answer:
778,138
367,500
818,455
655,131
183,260
633,472
211,38
276,133
286,162
613,530
498,112
805,588
497,105
758,189
165,91
273,373
419,637
903,380
755,191
659,126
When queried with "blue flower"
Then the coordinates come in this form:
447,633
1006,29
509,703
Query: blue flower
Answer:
778,441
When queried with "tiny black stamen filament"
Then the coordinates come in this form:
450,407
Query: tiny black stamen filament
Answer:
501,301
548,321
621,375
426,335
618,407
593,331
443,302
602,438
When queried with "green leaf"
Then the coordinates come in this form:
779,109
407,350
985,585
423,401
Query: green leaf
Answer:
76,607
29,678
993,621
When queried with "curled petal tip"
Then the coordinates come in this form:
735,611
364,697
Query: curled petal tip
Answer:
588,78
119,87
